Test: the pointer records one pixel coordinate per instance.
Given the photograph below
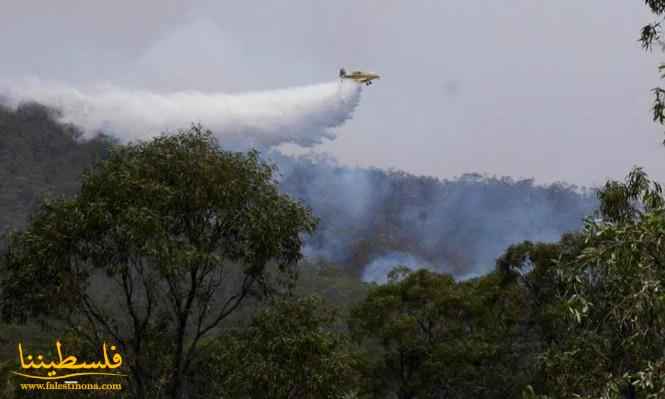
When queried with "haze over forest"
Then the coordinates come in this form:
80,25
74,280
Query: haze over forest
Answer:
194,187
457,226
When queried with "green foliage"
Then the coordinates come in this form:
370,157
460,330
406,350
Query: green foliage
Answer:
290,350
340,288
608,341
622,202
652,34
164,241
435,337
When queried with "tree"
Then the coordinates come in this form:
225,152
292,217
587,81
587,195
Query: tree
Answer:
652,34
610,297
164,241
435,337
291,350
610,332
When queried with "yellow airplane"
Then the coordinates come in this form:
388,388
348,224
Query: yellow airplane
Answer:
359,76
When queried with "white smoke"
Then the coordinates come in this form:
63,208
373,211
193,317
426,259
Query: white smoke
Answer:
377,271
300,115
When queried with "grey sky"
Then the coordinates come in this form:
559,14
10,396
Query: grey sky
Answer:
551,90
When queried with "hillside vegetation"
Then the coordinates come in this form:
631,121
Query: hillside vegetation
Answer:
39,157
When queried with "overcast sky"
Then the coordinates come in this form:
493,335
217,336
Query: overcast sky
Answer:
558,90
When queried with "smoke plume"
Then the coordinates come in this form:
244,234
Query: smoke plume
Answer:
373,220
300,115
377,271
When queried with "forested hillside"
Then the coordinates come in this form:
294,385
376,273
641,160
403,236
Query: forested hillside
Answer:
457,226
366,215
38,157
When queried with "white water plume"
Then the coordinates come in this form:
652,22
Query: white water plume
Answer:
301,115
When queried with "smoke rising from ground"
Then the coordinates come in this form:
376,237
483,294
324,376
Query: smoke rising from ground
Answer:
301,115
377,271
372,219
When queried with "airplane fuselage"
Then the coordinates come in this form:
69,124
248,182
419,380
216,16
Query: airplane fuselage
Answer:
359,76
